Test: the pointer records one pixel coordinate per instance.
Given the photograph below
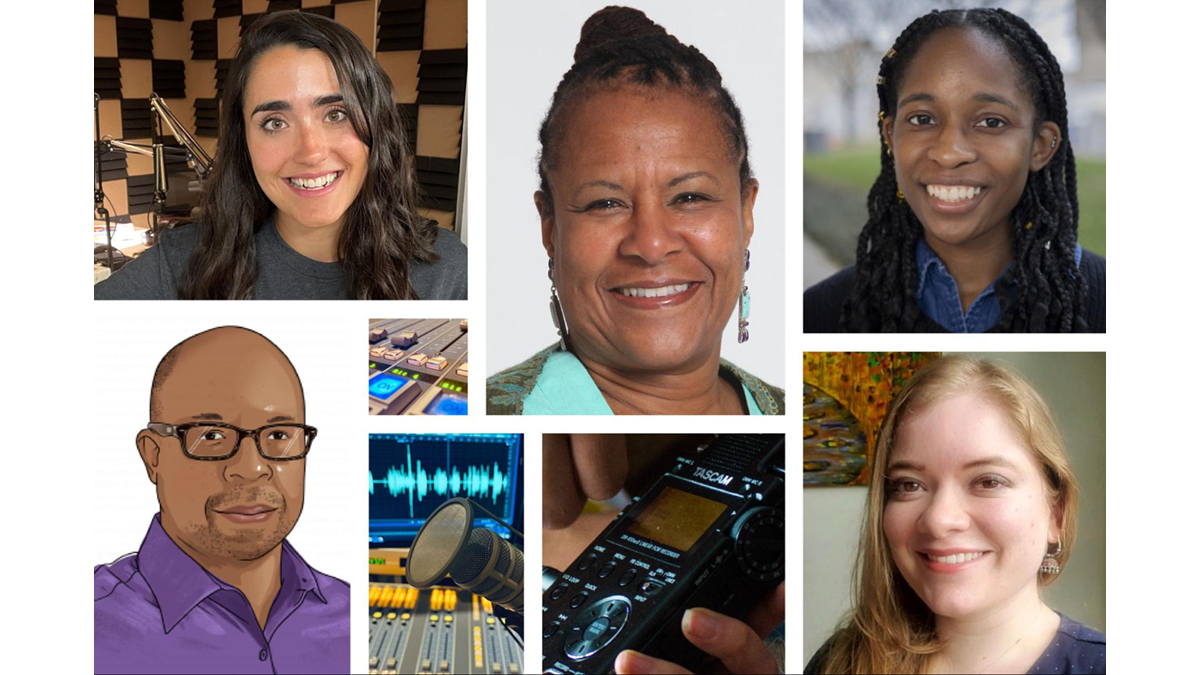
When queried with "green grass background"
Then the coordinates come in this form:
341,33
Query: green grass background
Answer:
858,168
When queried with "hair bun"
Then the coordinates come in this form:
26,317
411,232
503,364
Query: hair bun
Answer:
615,23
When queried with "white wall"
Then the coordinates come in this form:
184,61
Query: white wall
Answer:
530,47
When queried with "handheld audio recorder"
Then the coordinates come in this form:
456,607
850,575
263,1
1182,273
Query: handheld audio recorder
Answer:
708,533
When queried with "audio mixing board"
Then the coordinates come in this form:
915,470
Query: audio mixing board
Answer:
417,367
437,631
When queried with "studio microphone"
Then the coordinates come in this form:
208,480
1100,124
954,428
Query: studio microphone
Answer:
475,558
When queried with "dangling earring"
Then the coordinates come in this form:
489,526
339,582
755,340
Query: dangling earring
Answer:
899,195
744,306
556,312
1050,562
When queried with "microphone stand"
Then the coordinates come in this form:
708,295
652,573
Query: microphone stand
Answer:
102,212
197,159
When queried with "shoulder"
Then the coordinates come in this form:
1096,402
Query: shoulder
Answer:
155,274
1077,632
817,663
445,279
507,389
1075,649
124,608
823,302
769,398
107,578
336,591
450,247
176,244
1092,266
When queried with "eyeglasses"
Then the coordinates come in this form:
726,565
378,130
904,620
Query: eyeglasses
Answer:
213,441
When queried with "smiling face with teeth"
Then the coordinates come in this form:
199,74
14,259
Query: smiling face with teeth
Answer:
647,227
967,517
965,139
306,155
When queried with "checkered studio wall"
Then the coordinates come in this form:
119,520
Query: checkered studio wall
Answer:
182,50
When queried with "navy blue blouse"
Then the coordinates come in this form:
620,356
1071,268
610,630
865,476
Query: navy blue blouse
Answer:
1075,649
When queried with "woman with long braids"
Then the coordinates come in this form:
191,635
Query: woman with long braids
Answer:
312,193
973,220
646,204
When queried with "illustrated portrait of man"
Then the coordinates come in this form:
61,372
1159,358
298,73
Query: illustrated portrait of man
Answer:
215,587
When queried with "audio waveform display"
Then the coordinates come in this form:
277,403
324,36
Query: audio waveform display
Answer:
410,475
477,483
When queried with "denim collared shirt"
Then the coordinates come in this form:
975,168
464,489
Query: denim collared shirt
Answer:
159,611
937,294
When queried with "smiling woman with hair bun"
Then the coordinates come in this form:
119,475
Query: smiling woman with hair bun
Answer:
646,202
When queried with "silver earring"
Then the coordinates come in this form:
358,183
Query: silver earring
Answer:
1053,142
744,306
1050,562
556,312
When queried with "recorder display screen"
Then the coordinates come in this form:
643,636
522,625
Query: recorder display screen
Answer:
676,518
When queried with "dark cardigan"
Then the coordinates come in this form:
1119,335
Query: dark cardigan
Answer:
823,302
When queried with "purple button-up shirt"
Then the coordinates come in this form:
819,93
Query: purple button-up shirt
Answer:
159,611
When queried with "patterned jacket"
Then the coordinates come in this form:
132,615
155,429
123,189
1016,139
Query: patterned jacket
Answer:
507,389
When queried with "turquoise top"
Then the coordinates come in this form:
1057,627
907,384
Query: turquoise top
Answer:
565,388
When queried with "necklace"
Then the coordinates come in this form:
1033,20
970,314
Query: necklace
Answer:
1014,646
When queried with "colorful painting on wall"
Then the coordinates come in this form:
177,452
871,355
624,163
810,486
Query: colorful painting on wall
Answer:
846,396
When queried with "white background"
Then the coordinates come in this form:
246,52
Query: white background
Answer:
532,45
132,348
54,375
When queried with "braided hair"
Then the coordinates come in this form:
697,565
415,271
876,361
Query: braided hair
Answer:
621,45
1050,291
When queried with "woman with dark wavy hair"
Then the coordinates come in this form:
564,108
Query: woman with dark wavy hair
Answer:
312,193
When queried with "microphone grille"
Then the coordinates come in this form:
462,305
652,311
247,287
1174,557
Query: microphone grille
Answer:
476,554
518,573
437,545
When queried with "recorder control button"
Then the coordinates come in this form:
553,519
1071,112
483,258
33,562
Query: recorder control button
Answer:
578,600
650,587
595,627
587,562
558,592
627,578
607,570
550,630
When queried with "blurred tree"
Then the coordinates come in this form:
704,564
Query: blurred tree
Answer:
846,37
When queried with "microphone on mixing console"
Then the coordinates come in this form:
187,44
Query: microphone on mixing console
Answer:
475,558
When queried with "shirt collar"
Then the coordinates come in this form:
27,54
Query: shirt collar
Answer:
927,258
179,583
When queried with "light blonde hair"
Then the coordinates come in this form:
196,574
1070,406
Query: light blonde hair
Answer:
890,629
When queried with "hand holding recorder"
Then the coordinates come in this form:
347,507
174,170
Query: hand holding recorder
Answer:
689,573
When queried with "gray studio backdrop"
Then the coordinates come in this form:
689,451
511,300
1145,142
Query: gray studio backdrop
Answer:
1073,386
530,46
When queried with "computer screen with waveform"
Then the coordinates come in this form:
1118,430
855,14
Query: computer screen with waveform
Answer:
413,474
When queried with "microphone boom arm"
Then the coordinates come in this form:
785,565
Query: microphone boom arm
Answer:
198,159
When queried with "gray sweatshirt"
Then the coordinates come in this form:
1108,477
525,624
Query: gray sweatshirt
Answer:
283,274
